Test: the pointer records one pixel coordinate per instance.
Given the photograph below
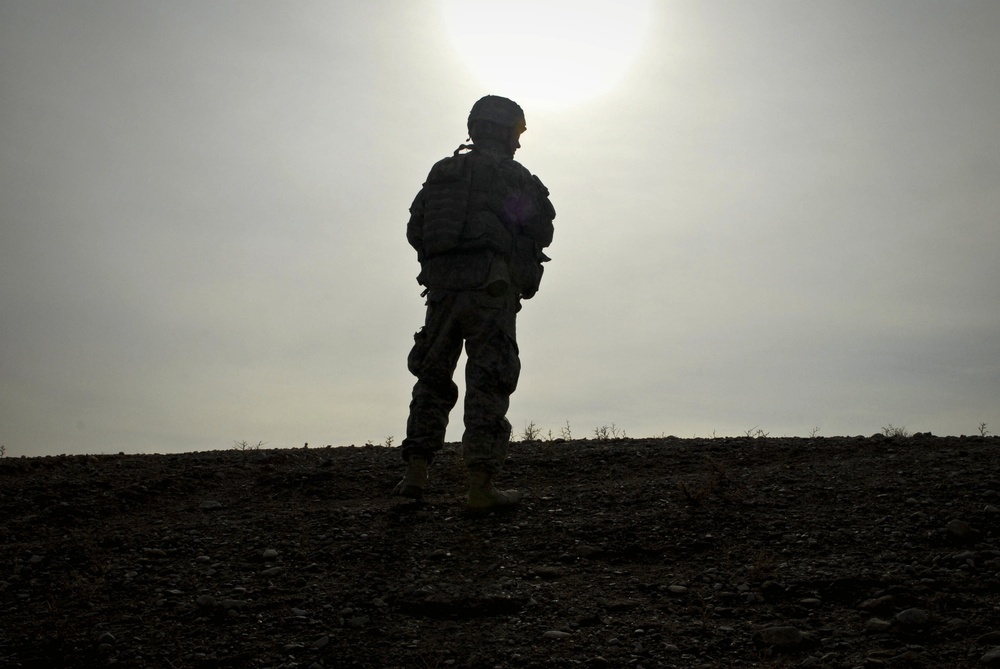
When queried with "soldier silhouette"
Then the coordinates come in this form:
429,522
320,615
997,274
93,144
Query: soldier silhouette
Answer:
479,225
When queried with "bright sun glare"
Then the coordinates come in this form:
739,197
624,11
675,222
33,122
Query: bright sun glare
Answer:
555,52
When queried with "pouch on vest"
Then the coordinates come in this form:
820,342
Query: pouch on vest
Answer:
526,266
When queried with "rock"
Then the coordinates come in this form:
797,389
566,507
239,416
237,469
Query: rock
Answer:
909,658
210,505
960,530
622,605
269,554
781,636
206,601
772,590
273,571
677,590
912,617
321,642
584,551
884,603
992,657
876,625
556,634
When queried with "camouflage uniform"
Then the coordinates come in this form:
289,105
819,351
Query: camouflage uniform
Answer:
479,225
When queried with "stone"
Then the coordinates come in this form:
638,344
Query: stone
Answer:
992,657
584,551
959,529
912,617
781,635
876,625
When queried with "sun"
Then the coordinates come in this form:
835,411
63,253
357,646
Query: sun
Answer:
551,52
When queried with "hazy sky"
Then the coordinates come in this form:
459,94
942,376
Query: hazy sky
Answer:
785,216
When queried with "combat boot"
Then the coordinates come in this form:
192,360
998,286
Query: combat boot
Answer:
414,480
483,495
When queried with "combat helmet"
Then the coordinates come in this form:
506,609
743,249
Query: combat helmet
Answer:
501,111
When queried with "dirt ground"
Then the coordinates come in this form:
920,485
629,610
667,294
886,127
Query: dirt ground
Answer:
635,553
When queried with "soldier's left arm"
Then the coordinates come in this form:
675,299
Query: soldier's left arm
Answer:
415,226
539,227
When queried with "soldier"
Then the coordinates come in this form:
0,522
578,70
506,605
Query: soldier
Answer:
479,225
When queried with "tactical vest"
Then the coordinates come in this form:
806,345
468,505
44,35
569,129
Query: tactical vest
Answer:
458,216
475,211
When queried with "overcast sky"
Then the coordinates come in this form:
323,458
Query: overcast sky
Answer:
784,216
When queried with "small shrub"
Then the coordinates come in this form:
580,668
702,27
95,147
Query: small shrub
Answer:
531,432
606,433
893,431
567,434
247,446
982,432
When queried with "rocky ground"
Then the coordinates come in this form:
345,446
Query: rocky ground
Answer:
634,553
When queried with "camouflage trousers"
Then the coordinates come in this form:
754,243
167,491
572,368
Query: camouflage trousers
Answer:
485,323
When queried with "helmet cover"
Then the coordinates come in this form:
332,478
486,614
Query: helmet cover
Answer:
495,109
